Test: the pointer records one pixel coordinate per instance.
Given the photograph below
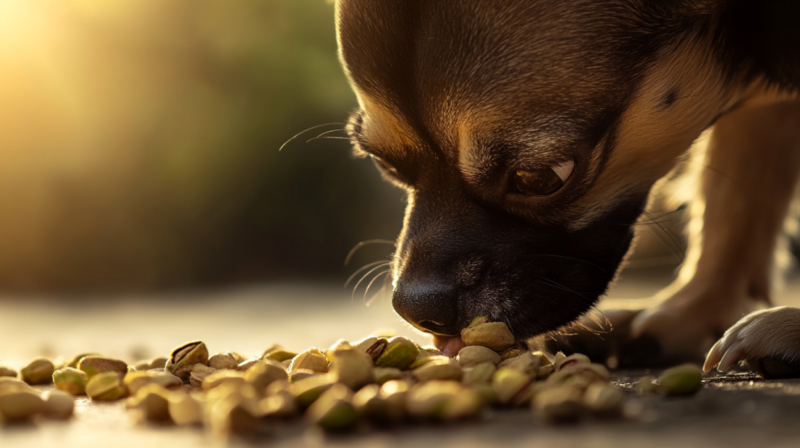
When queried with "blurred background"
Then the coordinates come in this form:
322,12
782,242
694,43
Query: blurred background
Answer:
139,147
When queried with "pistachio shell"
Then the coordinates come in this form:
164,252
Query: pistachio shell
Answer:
223,361
395,394
559,404
334,410
279,405
277,353
558,358
92,365
681,380
158,363
399,353
647,386
466,404
301,374
428,400
507,383
185,408
264,373
571,360
479,374
494,335
72,381
525,363
604,399
184,357
234,415
77,359
473,355
199,373
311,359
477,321
375,348
306,391
39,371
137,380
152,403
58,404
7,372
514,351
545,360
341,344
221,377
8,385
106,386
384,374
447,370
20,405
245,365
370,404
352,367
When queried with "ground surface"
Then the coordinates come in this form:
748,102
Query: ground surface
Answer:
737,410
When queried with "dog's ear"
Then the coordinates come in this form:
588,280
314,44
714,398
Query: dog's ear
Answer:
760,38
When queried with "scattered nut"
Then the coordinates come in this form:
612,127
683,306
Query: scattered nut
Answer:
647,386
399,353
334,410
106,386
494,335
473,355
185,409
39,371
58,404
7,372
93,365
184,357
311,359
264,373
72,381
137,380
604,399
559,404
384,374
681,380
352,367
479,374
20,405
447,369
223,361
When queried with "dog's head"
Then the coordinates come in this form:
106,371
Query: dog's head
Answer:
527,135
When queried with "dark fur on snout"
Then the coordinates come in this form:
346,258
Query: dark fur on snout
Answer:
456,96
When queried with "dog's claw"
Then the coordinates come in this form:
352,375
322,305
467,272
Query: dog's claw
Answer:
713,357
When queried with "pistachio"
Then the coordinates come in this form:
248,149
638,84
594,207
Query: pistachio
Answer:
647,386
494,335
477,321
93,365
375,347
571,360
526,363
221,377
8,385
264,373
559,404
58,404
311,359
301,374
352,367
558,358
604,399
429,400
486,392
341,344
245,365
137,380
681,380
152,403
223,361
587,373
545,360
277,353
508,383
384,374
185,408
279,405
39,371
142,366
447,369
77,359
158,363
20,405
234,414
473,355
7,372
106,386
394,393
306,391
514,351
479,374
369,403
183,358
546,371
70,380
199,373
429,359
466,404
399,353
334,410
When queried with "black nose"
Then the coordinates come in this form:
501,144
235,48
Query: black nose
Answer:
429,307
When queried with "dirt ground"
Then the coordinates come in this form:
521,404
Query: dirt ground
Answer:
735,410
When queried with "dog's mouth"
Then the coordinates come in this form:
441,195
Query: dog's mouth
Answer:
448,345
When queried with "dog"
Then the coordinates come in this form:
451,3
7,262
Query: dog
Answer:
529,134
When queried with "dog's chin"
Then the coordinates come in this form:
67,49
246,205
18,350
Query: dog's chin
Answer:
449,345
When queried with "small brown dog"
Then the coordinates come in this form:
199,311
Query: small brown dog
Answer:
529,133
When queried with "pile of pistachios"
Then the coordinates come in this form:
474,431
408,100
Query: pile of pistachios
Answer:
377,381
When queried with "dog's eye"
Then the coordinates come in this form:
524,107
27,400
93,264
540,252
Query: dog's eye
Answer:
544,181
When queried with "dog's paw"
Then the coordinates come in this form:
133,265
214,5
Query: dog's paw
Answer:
768,340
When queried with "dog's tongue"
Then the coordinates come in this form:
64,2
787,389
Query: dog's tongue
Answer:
449,346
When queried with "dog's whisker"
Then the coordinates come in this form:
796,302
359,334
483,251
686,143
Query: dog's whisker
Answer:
364,277
372,299
362,244
367,266
309,129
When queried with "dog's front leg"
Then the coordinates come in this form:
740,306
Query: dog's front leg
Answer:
751,169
